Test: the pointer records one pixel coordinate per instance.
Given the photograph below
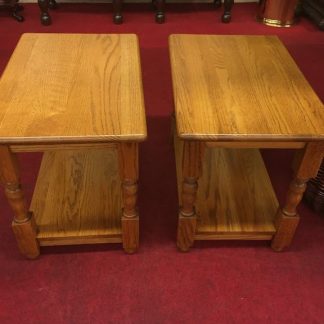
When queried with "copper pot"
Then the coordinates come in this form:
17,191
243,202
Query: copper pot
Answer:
279,13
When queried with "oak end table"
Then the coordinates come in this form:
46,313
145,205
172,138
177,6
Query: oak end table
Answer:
233,96
79,99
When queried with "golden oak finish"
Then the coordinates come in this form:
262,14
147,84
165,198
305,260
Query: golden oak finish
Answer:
72,88
128,161
248,88
77,195
287,218
59,147
234,95
277,145
23,224
236,195
79,99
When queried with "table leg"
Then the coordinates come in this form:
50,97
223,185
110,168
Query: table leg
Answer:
217,3
16,8
228,4
159,15
44,17
117,14
128,164
24,226
191,170
52,4
287,218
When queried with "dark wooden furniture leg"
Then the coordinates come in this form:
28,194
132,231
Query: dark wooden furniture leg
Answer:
52,4
217,3
15,11
23,225
45,18
117,11
287,219
228,4
159,11
128,165
191,171
14,8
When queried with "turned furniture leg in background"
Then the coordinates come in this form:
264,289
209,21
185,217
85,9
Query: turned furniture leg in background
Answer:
52,4
191,171
117,11
228,4
128,164
306,166
160,11
217,3
23,225
44,16
15,8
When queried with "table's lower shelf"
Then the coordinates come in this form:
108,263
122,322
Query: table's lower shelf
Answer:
77,198
235,198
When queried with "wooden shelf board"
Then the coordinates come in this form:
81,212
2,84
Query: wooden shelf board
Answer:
77,198
75,240
233,236
235,198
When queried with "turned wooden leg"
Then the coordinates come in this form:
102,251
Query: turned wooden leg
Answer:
159,15
191,170
45,18
217,3
128,163
117,11
228,4
52,4
23,224
15,12
305,166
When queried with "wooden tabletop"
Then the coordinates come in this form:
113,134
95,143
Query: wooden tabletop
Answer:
241,88
72,88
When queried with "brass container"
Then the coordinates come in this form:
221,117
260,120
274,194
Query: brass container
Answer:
278,13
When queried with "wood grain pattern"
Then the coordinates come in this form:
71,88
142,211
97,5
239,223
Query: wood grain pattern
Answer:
241,88
235,194
235,199
60,147
186,232
72,88
264,145
78,195
309,160
306,165
23,224
128,162
189,157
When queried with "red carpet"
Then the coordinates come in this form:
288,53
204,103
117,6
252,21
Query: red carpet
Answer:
217,282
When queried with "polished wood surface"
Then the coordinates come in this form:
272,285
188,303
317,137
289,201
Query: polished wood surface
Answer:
235,194
273,145
77,198
128,168
23,223
306,166
241,88
235,199
72,88
234,95
79,99
59,147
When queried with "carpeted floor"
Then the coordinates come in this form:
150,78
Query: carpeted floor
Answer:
217,282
